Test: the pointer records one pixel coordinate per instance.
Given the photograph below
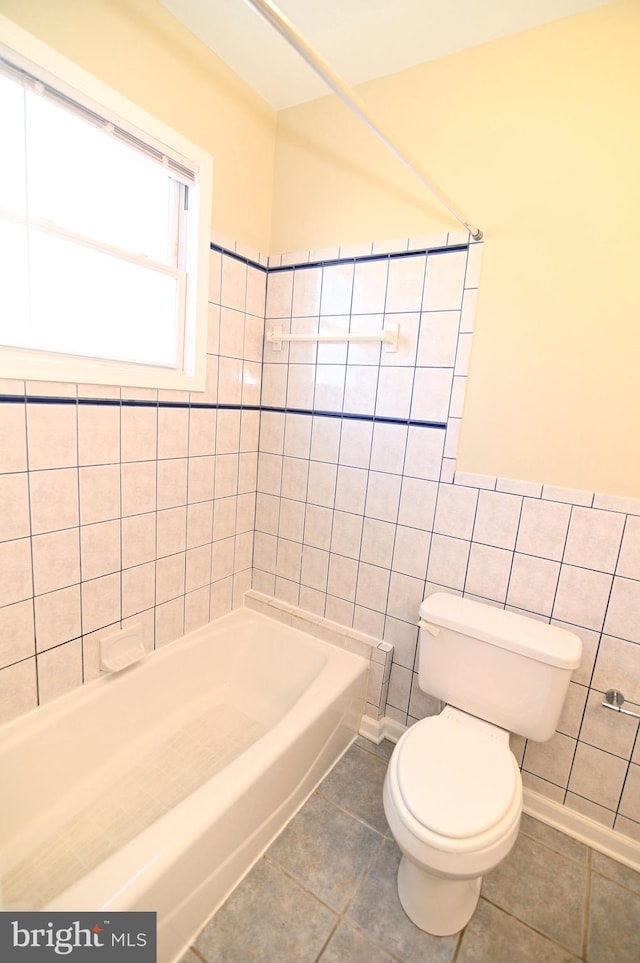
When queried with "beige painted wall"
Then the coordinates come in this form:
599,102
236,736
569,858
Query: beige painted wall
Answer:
537,138
140,50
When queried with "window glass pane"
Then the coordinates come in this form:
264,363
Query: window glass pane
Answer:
88,303
12,162
94,185
14,288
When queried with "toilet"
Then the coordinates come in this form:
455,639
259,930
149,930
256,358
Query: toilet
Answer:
453,792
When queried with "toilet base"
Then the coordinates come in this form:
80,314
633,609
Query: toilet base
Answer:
437,905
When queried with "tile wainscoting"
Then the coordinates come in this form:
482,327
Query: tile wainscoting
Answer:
324,476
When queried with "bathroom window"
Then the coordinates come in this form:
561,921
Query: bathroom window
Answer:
104,230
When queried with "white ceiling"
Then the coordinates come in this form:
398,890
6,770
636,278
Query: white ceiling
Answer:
360,39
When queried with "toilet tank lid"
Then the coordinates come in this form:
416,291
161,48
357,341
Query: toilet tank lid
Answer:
526,636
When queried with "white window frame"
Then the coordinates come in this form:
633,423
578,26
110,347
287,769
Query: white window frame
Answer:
26,51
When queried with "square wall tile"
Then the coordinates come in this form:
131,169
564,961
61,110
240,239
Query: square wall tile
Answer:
139,536
405,283
315,567
582,597
57,617
18,690
13,437
298,385
99,493
594,539
15,564
533,583
56,560
173,432
497,519
448,560
321,489
294,479
550,760
411,551
629,560
100,549
371,353
337,289
370,286
388,448
613,732
17,633
14,506
618,667
431,394
172,483
630,802
54,499
279,294
234,283
139,432
597,776
342,577
455,511
170,575
383,496
297,435
424,452
292,519
417,503
98,434
59,671
101,604
438,340
307,286
488,572
624,605
444,283
315,525
372,587
52,435
543,528
351,490
346,534
377,542
405,595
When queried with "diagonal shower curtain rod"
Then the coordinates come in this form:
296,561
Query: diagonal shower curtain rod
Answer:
286,29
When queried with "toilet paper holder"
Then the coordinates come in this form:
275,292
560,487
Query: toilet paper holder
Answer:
614,699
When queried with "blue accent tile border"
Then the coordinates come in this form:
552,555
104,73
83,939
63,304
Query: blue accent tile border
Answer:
219,406
328,262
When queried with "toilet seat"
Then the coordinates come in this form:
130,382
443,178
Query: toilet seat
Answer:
455,781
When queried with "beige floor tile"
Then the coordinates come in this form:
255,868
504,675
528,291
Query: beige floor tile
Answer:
326,851
349,945
355,784
614,923
377,910
268,918
493,936
542,888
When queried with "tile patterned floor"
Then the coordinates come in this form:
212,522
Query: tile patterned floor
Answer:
325,892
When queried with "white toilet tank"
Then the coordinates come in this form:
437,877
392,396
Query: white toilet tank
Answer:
505,668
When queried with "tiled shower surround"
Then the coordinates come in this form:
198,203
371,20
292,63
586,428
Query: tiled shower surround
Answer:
323,475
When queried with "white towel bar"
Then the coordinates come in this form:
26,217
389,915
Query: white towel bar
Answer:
389,336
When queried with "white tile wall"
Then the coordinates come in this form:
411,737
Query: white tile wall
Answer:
157,513
397,524
111,512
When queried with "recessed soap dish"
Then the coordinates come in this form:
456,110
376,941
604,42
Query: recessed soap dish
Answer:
121,648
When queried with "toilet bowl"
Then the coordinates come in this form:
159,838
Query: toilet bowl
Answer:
453,798
453,792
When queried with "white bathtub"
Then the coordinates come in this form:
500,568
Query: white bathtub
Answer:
157,788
